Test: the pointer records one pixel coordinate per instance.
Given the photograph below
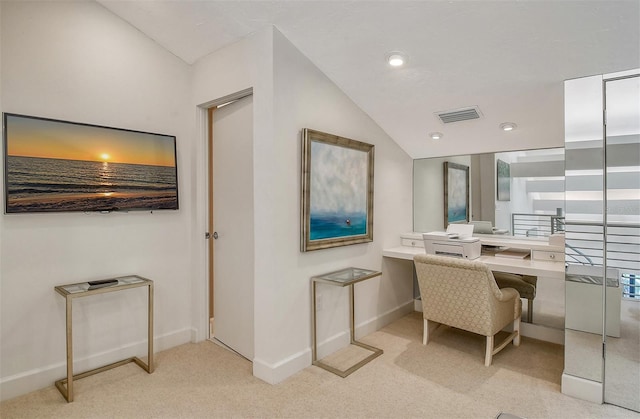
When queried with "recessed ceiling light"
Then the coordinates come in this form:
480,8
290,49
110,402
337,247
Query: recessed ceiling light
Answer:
508,126
436,135
395,59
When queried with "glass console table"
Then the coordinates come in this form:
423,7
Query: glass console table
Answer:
345,277
86,289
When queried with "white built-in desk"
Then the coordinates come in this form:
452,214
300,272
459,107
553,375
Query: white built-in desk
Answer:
534,267
546,261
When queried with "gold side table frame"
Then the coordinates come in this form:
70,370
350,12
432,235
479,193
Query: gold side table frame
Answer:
83,289
345,277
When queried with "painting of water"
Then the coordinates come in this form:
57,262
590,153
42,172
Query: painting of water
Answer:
457,214
338,195
326,226
456,193
44,185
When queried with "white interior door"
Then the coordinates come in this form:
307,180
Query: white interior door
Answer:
233,223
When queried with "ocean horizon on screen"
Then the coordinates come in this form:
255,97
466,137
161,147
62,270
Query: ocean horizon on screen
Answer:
336,225
48,185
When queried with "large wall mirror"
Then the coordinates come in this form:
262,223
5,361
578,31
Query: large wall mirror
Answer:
520,192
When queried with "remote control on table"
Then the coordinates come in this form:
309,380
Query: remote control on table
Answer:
102,283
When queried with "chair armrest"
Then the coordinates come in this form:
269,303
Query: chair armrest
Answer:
508,308
508,294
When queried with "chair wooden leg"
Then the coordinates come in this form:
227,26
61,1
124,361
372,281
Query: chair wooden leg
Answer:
516,329
489,352
425,332
530,310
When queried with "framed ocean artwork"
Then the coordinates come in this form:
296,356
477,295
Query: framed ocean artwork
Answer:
456,193
337,191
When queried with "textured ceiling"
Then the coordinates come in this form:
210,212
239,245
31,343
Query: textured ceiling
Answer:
509,58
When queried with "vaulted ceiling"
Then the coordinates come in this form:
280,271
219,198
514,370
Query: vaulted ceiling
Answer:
508,58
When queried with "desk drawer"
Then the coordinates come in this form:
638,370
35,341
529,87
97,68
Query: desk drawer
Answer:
412,242
544,255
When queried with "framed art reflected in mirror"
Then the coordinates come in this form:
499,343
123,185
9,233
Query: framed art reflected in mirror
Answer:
456,193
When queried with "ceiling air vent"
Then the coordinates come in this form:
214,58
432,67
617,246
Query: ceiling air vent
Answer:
458,115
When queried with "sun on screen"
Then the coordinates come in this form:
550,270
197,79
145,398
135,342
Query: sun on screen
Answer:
105,157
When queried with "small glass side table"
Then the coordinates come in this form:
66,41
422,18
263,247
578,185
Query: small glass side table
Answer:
345,277
86,289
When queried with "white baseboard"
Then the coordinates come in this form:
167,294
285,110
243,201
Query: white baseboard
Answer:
540,332
582,389
367,327
278,372
37,378
194,335
332,344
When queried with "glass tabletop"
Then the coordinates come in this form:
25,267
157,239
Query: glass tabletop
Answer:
347,276
91,285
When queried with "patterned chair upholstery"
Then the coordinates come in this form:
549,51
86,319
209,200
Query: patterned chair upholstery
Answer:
463,294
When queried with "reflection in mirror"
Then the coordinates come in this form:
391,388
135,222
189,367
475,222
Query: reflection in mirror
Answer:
622,142
602,235
532,207
524,200
584,190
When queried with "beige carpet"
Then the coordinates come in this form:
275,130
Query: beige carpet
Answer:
622,365
445,379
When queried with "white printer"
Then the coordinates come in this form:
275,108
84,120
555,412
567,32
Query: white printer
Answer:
457,241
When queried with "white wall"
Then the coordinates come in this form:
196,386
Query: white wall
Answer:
77,61
305,97
487,190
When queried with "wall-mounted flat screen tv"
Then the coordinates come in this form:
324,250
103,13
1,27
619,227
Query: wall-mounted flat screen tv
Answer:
61,166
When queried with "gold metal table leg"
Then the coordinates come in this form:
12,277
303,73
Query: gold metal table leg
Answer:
314,349
150,331
376,352
65,385
69,316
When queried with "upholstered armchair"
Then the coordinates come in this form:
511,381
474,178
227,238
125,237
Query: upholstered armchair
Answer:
463,294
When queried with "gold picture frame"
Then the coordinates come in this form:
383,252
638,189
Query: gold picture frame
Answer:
337,191
456,193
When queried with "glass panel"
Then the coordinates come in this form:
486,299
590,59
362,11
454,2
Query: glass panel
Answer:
347,276
584,183
622,358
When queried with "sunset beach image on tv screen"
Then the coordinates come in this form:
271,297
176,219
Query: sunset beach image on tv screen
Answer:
53,165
